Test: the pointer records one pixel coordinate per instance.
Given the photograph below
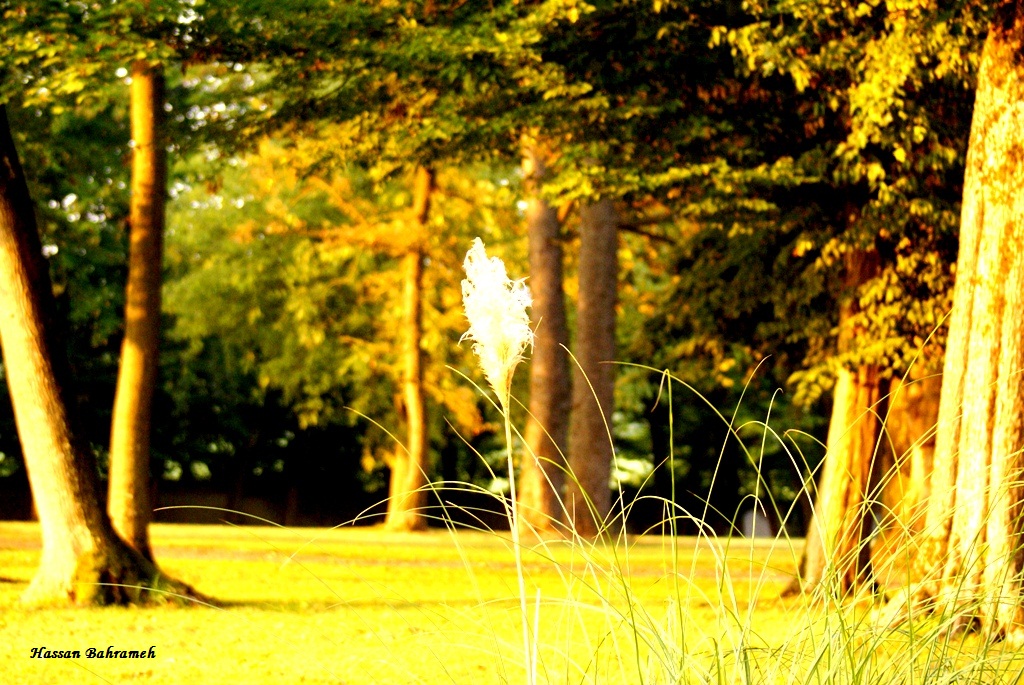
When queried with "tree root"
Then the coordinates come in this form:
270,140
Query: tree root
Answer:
119,577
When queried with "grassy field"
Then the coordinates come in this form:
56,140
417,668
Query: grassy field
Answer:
360,605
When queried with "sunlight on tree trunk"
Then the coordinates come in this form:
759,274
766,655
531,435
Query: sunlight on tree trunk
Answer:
83,560
588,496
836,552
907,449
129,501
407,503
970,561
542,473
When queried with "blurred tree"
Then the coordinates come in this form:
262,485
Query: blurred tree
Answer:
294,331
157,34
78,183
669,133
129,500
588,498
836,550
542,472
436,89
314,261
76,53
410,467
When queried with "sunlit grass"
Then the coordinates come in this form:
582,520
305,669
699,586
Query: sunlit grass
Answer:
362,605
358,605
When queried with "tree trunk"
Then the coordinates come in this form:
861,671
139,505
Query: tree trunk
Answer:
908,447
407,504
836,551
970,559
542,473
588,494
129,504
83,560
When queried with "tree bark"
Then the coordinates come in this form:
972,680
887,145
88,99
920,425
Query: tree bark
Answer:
83,560
408,500
970,558
836,552
542,473
129,505
908,448
588,494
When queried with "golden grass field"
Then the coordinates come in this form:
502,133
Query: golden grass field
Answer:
361,605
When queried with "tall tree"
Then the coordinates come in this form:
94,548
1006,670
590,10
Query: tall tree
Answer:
408,495
129,490
971,559
588,494
894,80
83,560
836,551
542,473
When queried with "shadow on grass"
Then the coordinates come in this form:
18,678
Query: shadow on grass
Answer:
368,603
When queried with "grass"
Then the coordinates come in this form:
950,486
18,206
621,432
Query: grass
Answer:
355,605
362,605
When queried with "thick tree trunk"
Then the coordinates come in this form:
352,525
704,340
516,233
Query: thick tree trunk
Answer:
588,494
836,552
129,505
542,473
408,487
83,560
970,559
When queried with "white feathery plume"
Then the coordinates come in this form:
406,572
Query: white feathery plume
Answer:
498,323
500,330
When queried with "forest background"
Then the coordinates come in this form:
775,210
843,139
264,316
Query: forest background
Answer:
779,185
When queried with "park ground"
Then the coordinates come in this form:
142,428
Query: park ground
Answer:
362,605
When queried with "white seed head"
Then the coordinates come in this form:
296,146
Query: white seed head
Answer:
498,323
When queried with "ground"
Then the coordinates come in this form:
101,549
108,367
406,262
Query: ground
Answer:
362,605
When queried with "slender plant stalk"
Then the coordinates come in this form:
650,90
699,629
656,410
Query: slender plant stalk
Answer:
499,327
517,550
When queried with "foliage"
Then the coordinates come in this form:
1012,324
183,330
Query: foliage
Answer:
898,77
308,265
822,148
749,146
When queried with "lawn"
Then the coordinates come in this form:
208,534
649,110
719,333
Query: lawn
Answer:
361,605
